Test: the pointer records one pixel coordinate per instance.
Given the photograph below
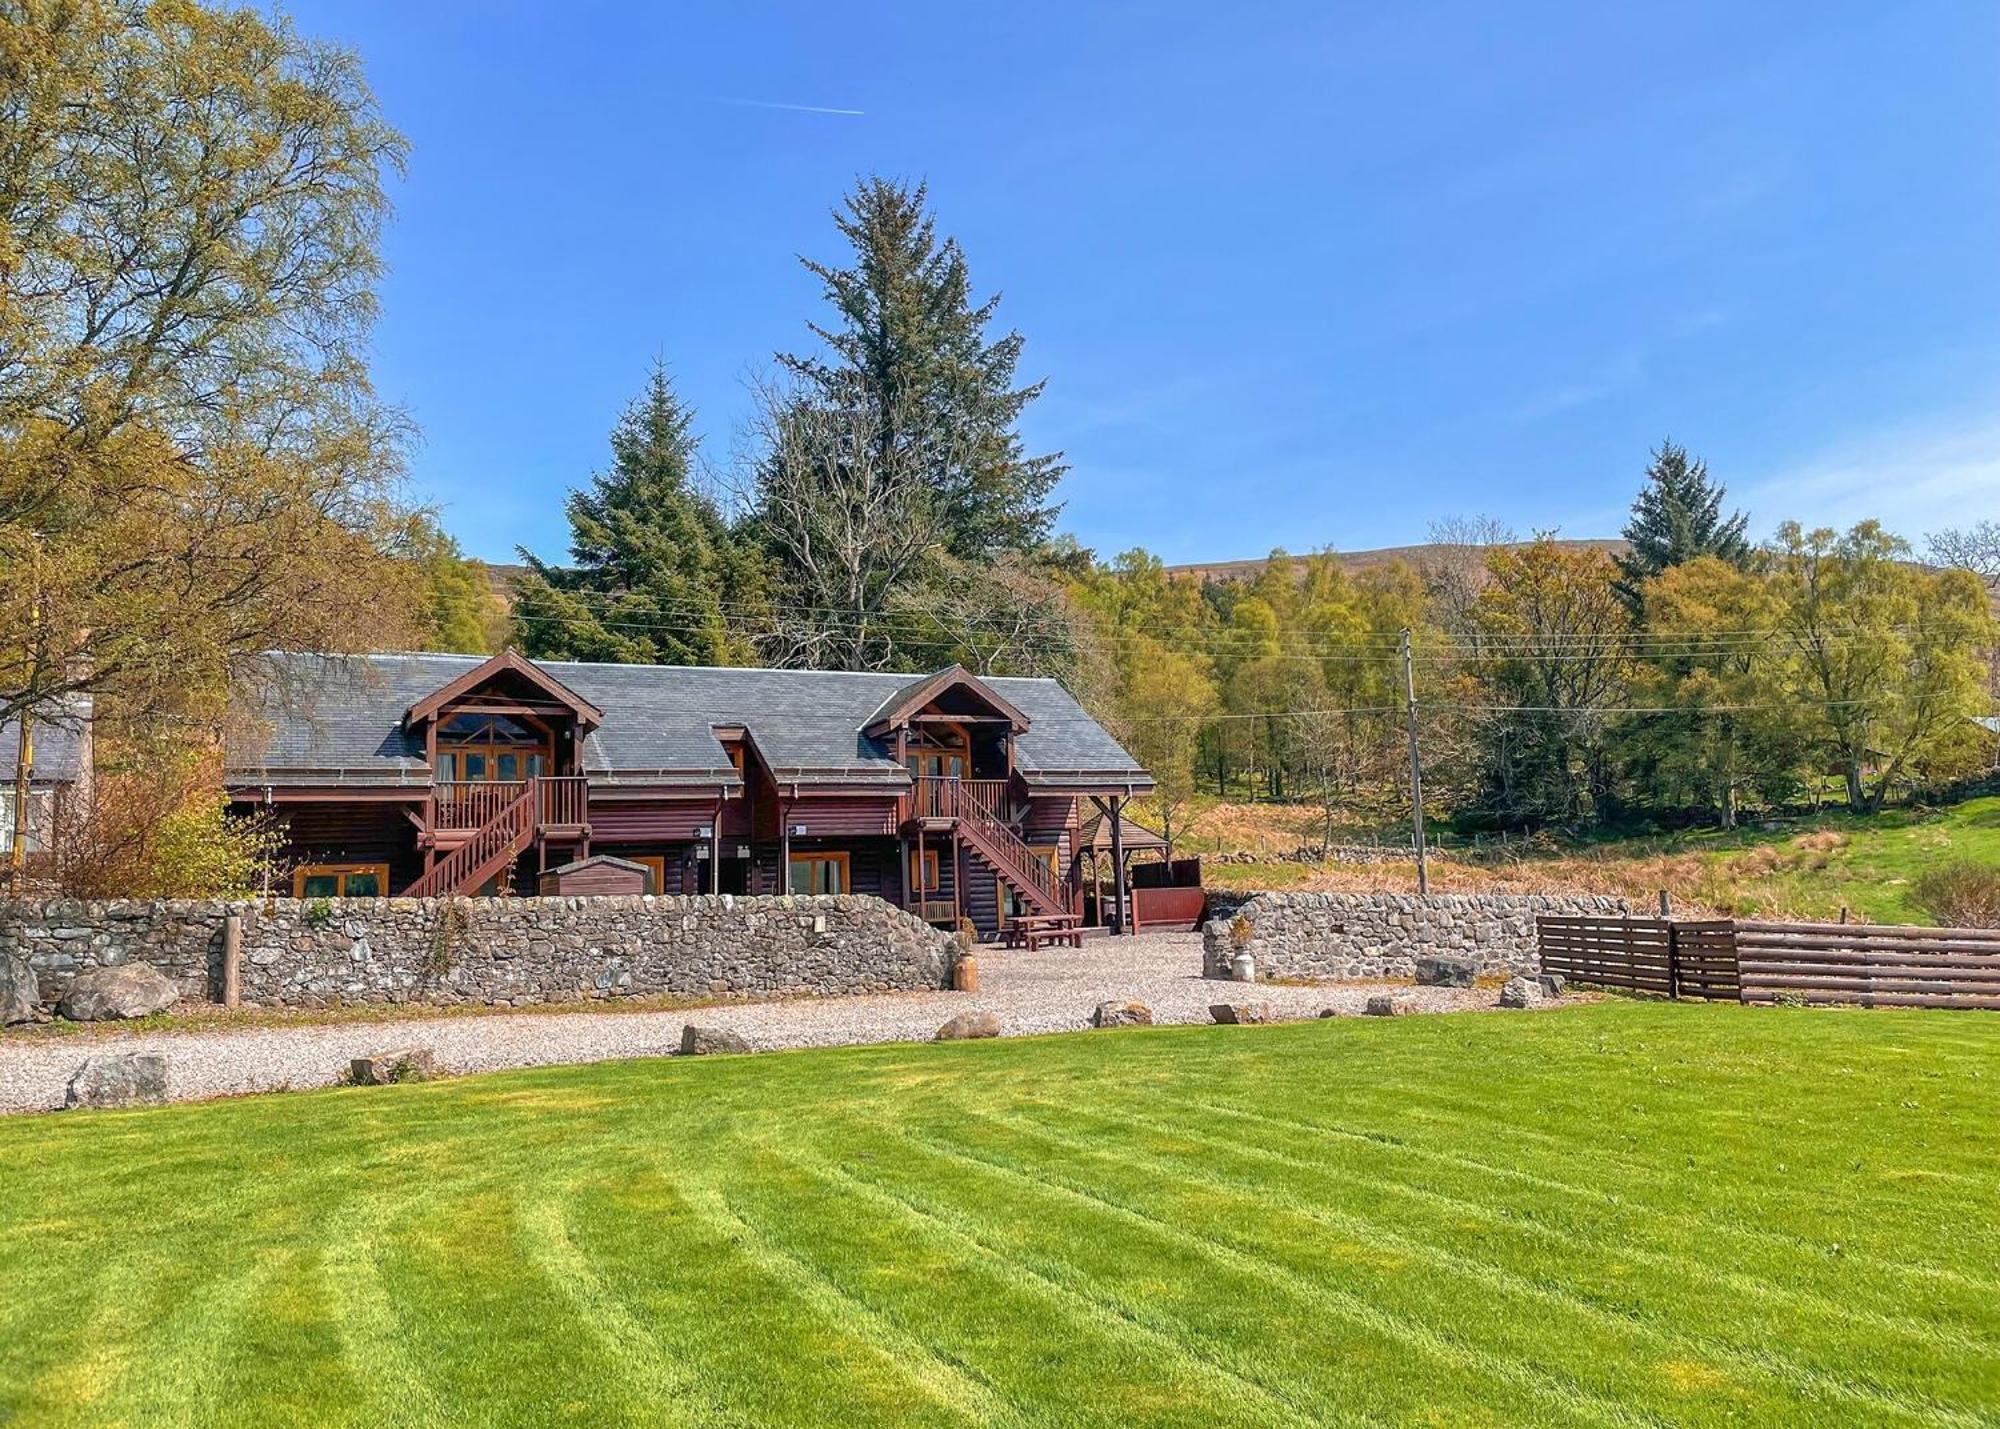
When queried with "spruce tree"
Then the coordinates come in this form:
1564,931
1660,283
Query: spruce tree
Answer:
651,559
908,346
1677,517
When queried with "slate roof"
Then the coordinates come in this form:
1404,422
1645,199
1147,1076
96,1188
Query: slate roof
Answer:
339,719
61,737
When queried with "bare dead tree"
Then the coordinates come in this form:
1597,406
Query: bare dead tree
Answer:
1000,620
1971,548
850,523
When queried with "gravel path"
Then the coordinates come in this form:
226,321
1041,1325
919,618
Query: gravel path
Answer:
1053,990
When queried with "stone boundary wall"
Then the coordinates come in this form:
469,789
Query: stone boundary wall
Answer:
323,952
1329,936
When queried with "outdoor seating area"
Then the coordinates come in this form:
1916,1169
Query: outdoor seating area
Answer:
1034,931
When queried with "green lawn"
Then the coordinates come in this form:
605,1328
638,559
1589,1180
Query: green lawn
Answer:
1621,1213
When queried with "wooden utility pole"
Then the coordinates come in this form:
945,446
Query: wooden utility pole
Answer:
24,777
24,754
1416,770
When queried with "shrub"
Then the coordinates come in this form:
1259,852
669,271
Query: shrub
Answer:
1964,894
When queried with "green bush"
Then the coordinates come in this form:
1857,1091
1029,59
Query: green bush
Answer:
1964,894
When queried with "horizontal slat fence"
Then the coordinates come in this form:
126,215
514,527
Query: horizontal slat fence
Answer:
1867,964
1873,965
1632,953
1705,959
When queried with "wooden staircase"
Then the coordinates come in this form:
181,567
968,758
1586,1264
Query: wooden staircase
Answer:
987,835
490,851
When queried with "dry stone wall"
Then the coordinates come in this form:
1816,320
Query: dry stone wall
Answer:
507,951
1313,936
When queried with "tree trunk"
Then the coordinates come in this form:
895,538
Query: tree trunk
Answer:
1857,795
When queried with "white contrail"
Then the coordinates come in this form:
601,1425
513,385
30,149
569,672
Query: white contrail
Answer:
796,108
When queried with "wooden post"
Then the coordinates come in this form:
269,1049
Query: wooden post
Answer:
1118,859
232,960
24,781
1666,905
784,846
1416,771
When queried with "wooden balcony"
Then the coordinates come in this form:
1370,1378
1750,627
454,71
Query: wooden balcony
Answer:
462,808
946,800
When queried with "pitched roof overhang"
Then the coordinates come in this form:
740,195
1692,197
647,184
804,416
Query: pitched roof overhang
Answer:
906,702
508,661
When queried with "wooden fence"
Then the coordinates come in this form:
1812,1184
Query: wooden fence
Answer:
1873,966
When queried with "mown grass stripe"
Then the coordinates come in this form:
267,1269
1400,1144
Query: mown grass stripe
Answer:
950,1381
1160,1334
1913,1269
1780,1370
545,1235
1444,1348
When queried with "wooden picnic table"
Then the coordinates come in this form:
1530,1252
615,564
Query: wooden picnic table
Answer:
1032,930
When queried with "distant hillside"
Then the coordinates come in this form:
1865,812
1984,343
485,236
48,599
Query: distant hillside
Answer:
1226,571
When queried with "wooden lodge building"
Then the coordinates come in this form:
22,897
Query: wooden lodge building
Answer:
432,775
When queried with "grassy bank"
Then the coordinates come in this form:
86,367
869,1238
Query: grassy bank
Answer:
1807,869
1610,1214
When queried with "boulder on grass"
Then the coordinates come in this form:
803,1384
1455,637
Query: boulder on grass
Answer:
1553,984
1242,1014
708,1041
123,1079
399,1064
20,997
1389,1005
1443,970
1519,992
1122,1014
969,1025
128,990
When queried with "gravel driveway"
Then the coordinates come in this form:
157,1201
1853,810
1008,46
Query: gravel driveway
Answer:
1052,990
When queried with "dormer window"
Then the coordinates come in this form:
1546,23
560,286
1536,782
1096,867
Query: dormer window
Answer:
490,748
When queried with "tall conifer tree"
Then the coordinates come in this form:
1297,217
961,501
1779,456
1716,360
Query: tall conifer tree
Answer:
1677,517
651,559
907,345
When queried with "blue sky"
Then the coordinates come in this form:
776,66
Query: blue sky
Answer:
1296,275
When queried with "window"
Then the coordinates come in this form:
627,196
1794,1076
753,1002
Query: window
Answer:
928,881
819,873
480,749
341,880
31,832
1012,904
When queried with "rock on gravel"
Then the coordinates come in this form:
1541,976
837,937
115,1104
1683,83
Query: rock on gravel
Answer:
1553,984
121,1079
127,990
1122,1014
1389,1005
1519,993
1443,970
968,1025
698,1041
20,998
401,1064
1242,1014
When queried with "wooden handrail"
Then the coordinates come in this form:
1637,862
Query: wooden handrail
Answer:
975,804
563,800
471,803
472,862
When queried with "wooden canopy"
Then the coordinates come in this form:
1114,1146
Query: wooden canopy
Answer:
1095,836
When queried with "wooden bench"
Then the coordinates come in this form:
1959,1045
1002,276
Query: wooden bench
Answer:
1034,930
